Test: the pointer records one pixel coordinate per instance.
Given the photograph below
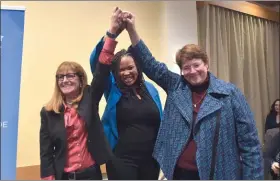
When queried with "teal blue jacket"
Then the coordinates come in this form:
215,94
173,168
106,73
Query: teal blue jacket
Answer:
112,95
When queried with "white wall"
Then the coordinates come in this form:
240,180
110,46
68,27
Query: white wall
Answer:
165,27
179,27
57,31
180,21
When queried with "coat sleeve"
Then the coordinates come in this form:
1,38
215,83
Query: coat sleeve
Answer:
46,148
154,69
247,138
94,59
102,150
99,81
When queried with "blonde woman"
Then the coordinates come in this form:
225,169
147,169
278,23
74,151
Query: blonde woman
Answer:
72,141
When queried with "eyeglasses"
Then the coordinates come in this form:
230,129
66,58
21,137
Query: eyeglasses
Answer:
69,76
187,68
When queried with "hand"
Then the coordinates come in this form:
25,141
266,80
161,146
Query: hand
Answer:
129,19
275,167
121,27
117,25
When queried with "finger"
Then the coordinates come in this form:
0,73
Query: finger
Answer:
125,19
128,20
123,15
115,9
119,11
126,12
120,15
119,18
128,15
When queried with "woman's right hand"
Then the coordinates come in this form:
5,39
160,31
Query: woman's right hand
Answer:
275,167
117,25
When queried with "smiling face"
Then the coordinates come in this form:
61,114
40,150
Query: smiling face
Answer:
128,71
193,62
194,71
69,83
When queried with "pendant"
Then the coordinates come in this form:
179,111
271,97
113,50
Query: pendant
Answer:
194,105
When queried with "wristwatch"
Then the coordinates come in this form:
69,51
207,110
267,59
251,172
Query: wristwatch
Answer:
111,35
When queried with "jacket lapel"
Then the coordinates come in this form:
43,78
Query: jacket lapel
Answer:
209,105
182,100
212,102
61,123
85,108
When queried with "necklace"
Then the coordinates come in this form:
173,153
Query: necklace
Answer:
69,103
194,105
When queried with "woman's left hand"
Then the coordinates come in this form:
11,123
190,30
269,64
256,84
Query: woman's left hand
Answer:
275,167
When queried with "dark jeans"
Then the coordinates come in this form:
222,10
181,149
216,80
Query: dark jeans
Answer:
91,173
183,174
129,169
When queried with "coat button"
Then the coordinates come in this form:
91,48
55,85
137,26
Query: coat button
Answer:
89,141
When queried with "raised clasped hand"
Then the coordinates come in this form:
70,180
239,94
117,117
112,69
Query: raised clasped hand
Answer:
121,20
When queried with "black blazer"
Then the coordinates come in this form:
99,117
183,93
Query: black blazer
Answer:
53,138
270,122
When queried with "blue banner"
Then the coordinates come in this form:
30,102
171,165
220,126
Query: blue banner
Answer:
12,28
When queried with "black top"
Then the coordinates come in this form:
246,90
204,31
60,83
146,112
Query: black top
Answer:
138,123
271,123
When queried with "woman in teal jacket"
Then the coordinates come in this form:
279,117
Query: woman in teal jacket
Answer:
113,94
132,115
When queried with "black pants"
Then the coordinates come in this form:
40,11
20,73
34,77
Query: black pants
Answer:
183,174
273,175
130,169
90,173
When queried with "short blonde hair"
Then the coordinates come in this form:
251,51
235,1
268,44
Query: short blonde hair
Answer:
57,98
